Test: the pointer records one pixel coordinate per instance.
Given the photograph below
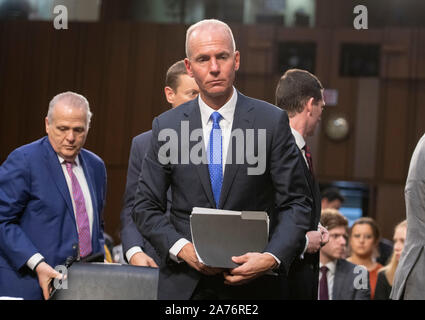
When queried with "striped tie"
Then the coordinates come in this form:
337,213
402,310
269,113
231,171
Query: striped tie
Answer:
83,225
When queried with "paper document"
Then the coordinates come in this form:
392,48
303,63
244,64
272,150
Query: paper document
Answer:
218,235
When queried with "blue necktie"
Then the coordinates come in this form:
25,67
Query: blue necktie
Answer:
215,164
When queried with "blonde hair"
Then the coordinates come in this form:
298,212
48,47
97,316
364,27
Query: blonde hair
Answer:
390,268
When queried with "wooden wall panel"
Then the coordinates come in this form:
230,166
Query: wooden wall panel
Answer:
115,91
37,66
143,70
14,52
397,53
420,70
91,78
366,129
170,48
392,158
390,207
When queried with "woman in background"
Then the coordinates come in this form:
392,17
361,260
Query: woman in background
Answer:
363,241
386,274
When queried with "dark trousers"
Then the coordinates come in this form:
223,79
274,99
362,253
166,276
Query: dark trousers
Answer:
263,288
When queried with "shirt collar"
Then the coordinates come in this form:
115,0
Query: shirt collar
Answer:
330,265
227,111
62,160
298,138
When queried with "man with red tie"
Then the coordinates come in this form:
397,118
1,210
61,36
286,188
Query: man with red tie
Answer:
339,279
300,94
52,194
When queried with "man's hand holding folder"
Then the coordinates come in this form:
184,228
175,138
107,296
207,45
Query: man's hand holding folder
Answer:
252,265
229,242
188,254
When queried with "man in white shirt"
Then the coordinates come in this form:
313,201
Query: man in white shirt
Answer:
274,183
52,193
300,94
339,279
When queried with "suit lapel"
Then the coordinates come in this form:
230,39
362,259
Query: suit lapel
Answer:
195,123
243,119
338,281
315,191
55,170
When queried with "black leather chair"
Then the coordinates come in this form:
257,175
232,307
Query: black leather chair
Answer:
100,281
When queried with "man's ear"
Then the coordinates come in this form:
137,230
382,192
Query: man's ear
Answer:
237,60
169,94
46,122
188,68
310,105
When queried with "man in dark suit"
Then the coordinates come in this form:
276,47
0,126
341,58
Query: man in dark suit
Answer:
52,194
340,279
182,137
179,88
300,94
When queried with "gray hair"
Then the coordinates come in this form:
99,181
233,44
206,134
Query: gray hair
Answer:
72,99
208,23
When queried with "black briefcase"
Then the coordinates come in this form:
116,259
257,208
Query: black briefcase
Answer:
102,281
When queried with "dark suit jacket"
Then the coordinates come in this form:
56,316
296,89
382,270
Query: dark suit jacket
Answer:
130,235
303,276
283,183
36,214
345,278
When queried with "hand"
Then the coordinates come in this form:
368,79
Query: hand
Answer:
252,265
188,254
314,241
325,235
46,274
141,259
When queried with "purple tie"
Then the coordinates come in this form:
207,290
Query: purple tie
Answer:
323,285
83,224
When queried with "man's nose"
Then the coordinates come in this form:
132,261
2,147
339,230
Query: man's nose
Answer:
214,66
70,136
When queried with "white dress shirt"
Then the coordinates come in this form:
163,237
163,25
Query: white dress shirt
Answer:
78,171
299,140
330,276
227,112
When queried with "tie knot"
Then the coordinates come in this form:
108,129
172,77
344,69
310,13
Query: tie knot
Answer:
324,269
215,116
306,148
68,164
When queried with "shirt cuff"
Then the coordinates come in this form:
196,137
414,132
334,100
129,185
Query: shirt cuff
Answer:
305,247
34,260
132,251
175,249
277,260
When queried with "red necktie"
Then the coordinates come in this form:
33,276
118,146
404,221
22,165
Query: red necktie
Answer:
323,285
83,225
309,159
